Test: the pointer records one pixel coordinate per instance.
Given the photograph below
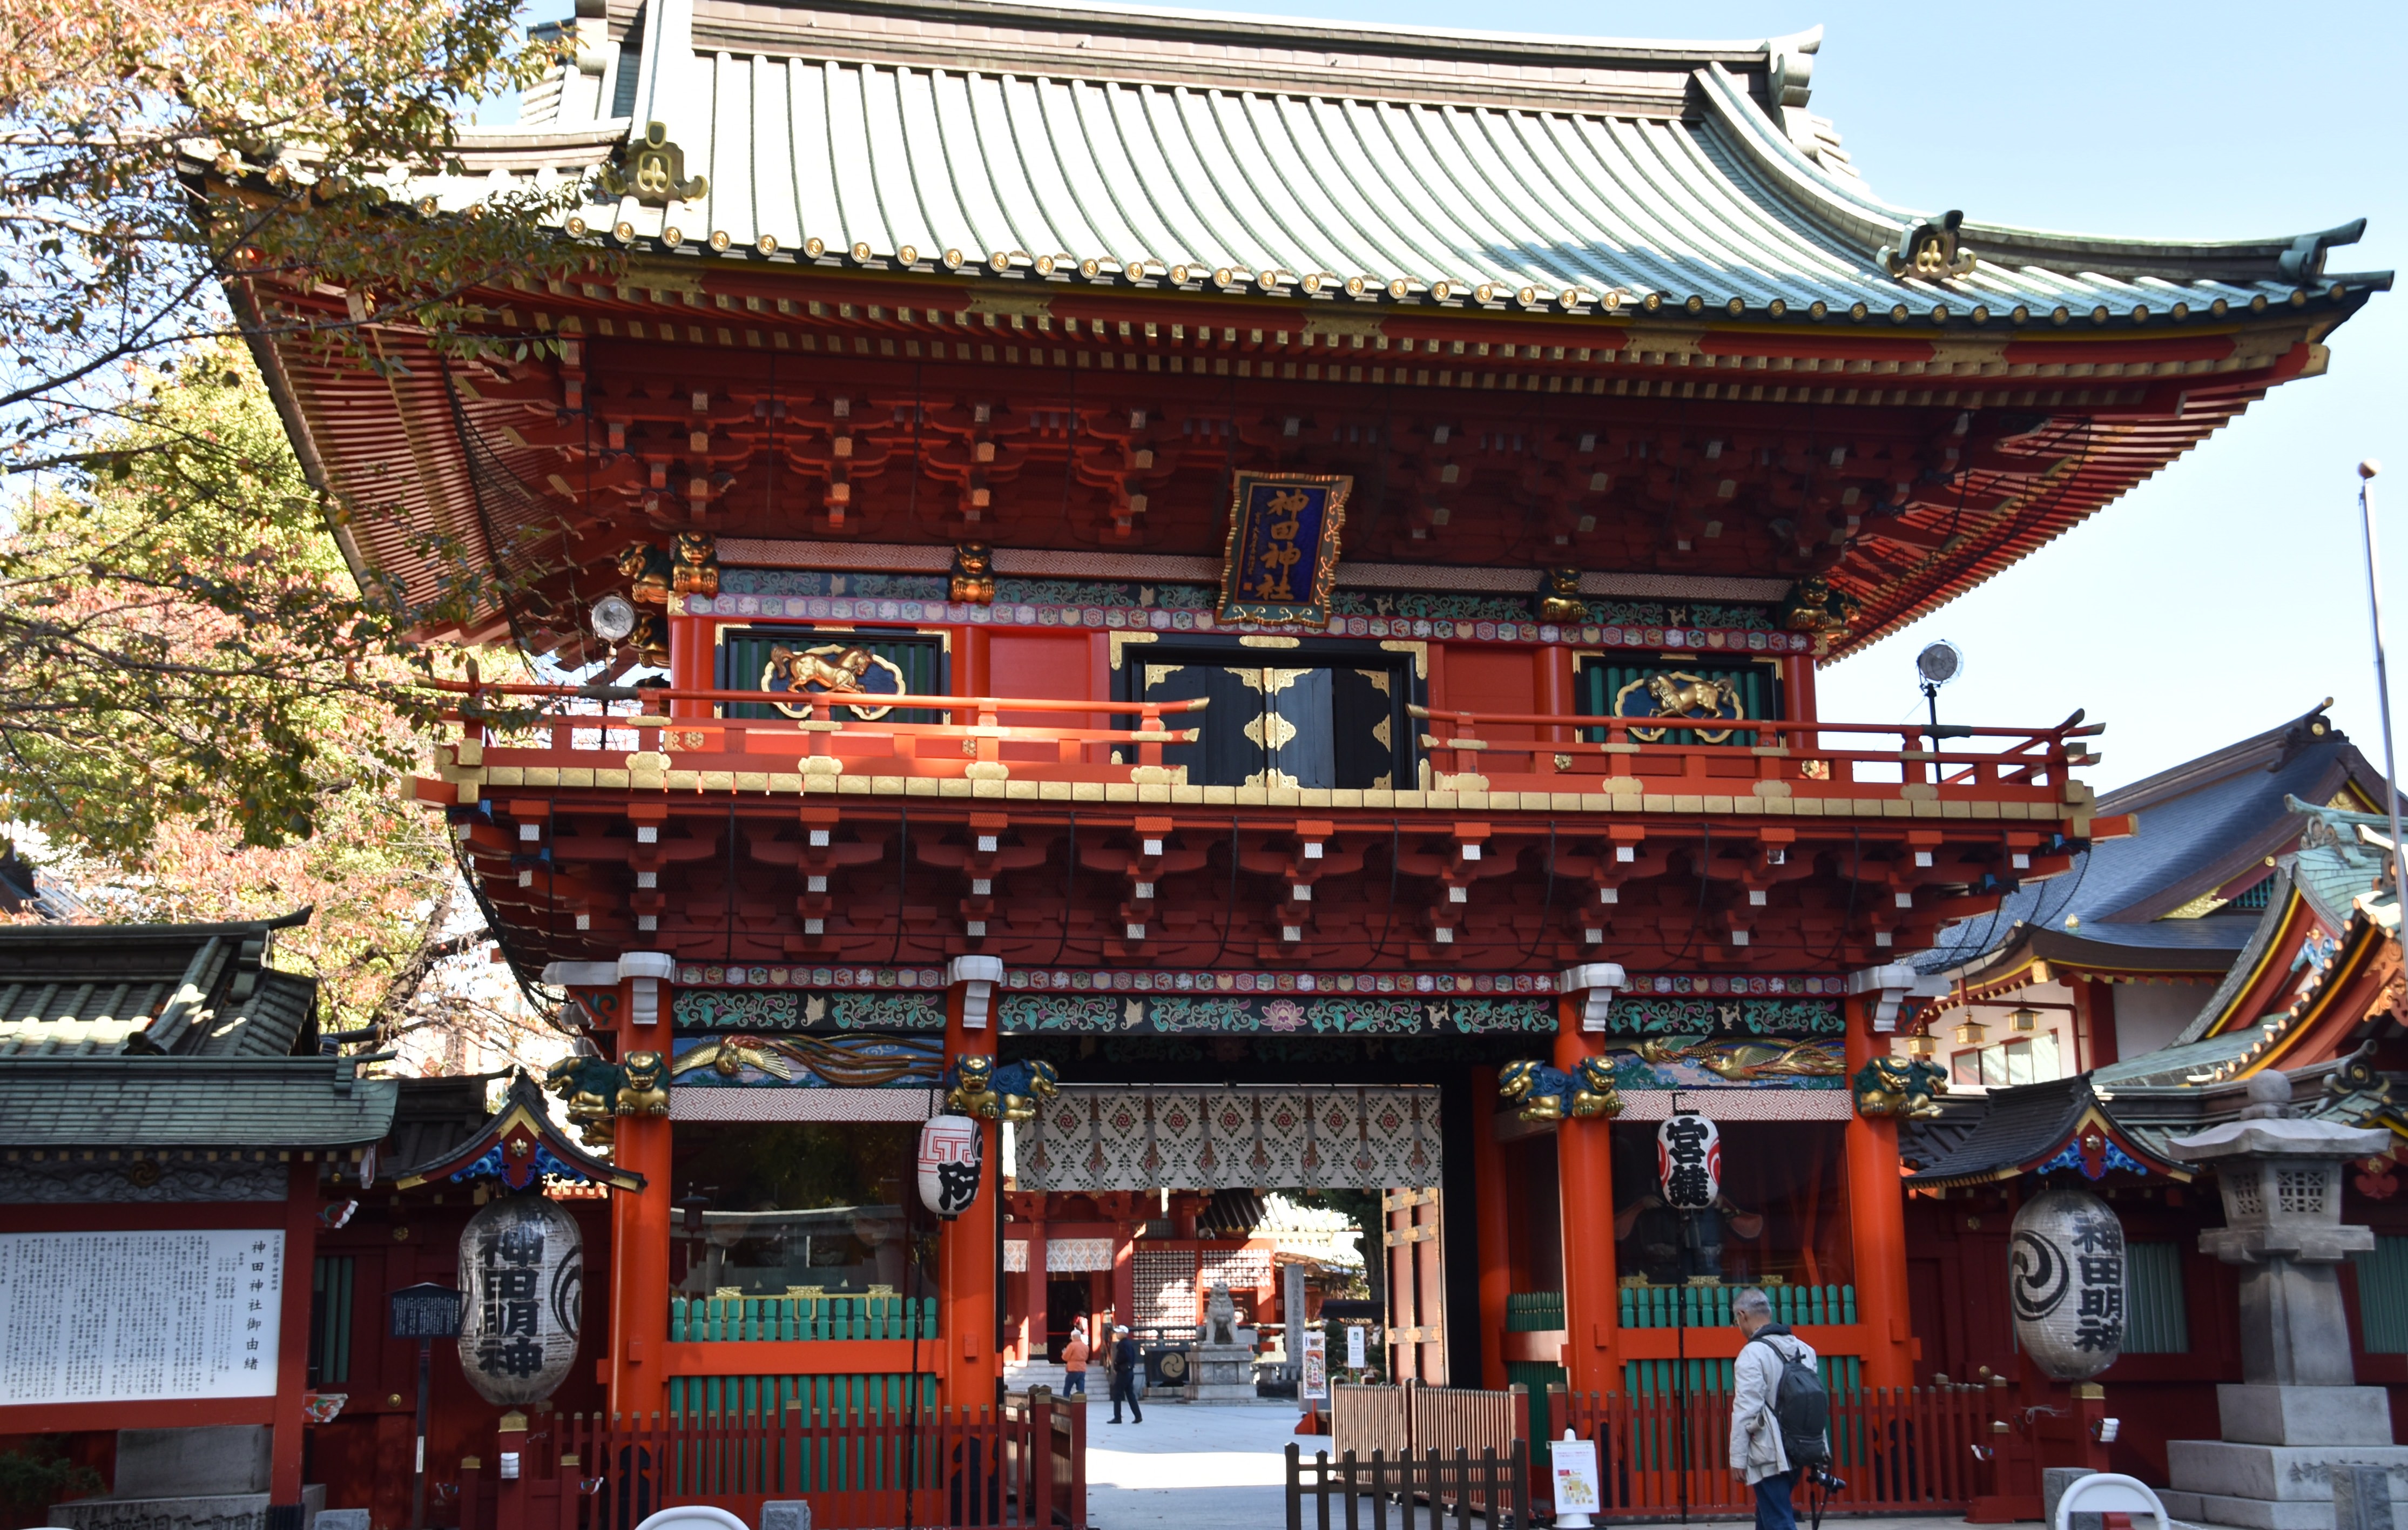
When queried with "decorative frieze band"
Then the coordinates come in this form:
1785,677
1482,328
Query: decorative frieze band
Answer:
1155,619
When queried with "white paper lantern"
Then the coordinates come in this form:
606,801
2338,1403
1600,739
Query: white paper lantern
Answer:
1689,1161
952,1155
523,1284
2066,1281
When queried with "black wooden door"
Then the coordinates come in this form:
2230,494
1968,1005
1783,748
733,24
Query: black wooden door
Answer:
1312,726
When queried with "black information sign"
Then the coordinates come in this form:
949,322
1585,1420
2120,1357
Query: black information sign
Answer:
425,1311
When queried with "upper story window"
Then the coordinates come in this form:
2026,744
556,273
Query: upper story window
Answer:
1698,700
2028,1060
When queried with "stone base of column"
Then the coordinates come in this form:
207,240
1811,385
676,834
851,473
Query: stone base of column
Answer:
2267,1487
2279,1415
2273,1469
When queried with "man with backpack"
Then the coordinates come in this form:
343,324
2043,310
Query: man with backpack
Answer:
1779,1413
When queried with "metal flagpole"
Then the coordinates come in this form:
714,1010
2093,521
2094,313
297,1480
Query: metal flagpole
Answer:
2366,471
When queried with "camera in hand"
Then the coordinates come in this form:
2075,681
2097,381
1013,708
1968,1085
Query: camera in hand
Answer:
1822,1478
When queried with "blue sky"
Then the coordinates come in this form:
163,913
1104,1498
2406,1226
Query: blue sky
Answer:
2226,594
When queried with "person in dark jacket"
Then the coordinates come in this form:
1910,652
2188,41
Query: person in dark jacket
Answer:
1125,1362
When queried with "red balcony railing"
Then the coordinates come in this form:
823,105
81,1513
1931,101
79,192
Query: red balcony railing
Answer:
516,728
501,729
1537,751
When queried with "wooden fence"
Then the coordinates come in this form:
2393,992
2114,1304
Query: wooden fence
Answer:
1899,1450
1664,1452
1412,1421
1020,1466
1361,1489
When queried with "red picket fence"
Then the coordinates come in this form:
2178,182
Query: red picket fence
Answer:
1900,1451
1021,1466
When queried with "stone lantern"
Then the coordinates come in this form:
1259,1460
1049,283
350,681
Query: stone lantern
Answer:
2297,1415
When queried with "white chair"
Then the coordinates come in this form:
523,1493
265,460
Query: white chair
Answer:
2109,1493
692,1516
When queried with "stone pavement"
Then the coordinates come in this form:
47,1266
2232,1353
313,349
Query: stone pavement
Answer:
1225,1468
1189,1469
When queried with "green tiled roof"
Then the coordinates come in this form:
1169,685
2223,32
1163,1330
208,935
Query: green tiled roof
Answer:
190,990
1119,145
241,1102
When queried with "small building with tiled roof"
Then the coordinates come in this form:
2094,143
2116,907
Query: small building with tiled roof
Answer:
2316,992
173,1138
2112,957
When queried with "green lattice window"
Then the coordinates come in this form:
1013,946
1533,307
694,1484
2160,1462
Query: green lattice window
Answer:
330,1318
2382,1297
2156,1321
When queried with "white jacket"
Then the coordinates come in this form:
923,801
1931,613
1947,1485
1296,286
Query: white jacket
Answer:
1755,1445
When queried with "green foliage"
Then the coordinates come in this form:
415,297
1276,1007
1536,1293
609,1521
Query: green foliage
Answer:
38,1476
179,636
157,150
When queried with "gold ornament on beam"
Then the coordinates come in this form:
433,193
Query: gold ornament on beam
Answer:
1929,251
652,574
1559,596
654,171
973,577
696,568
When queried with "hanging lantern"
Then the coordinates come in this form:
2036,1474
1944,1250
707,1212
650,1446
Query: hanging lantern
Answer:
1921,1044
2067,1283
2024,1018
952,1154
1689,1161
1971,1033
522,1285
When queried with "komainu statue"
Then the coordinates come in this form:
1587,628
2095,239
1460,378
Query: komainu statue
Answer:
1900,1088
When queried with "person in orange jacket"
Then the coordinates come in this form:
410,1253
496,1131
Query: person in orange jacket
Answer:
1074,1361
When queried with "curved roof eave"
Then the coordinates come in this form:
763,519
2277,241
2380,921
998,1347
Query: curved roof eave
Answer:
1845,207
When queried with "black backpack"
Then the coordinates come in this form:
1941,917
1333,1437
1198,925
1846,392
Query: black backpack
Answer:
1801,1408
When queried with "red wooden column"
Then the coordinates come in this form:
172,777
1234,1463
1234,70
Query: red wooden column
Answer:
1123,1280
638,1364
966,1290
2094,1023
693,657
1877,1219
1493,1226
1029,1338
293,1344
1586,1152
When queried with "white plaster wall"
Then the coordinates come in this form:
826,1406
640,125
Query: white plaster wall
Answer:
2148,1016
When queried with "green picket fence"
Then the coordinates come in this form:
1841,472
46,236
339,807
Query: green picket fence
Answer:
1708,1307
716,1319
1843,1376
859,1398
1534,1311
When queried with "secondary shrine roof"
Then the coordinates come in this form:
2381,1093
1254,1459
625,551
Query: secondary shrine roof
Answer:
247,1103
2155,901
186,990
1126,146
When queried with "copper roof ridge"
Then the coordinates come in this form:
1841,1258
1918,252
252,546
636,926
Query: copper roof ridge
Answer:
1250,29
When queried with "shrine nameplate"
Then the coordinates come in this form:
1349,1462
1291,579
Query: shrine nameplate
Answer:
128,1316
1281,557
